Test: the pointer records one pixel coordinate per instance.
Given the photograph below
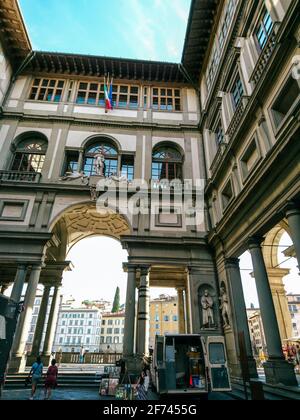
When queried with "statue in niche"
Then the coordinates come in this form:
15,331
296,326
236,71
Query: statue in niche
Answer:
224,306
99,164
207,304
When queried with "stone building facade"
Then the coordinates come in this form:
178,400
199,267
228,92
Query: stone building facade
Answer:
226,119
77,328
112,332
164,317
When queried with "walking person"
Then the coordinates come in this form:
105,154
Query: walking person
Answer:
51,379
36,374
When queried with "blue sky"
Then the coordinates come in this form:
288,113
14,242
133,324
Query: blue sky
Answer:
144,29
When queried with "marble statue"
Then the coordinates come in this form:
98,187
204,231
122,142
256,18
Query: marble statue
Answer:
99,164
224,307
207,304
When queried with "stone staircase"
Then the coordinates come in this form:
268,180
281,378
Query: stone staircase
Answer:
65,380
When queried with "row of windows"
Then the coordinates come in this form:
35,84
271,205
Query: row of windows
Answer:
166,318
74,340
166,164
113,322
75,331
76,323
112,331
74,316
92,93
111,340
216,56
262,33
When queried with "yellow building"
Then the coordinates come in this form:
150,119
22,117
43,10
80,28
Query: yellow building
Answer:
163,317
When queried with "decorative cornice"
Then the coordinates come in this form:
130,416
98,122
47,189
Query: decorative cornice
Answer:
99,123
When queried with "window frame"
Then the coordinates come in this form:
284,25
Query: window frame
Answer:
40,86
177,164
234,88
35,155
261,25
99,99
161,97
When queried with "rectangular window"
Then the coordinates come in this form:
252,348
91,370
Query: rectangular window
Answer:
237,91
71,162
164,99
109,330
49,90
287,98
127,167
124,96
264,29
220,133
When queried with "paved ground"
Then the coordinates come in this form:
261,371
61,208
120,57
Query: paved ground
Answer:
78,395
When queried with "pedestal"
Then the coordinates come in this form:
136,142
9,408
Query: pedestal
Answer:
280,372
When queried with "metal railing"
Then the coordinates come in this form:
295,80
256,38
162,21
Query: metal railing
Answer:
15,176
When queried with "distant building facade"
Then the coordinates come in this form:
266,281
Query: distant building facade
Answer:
163,317
77,327
112,332
257,334
294,307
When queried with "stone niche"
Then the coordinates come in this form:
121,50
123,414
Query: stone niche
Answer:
208,306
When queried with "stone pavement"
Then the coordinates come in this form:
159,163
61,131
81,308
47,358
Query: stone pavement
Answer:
79,395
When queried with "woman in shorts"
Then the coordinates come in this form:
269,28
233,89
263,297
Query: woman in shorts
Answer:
36,374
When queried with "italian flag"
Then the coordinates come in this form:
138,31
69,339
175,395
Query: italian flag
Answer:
108,96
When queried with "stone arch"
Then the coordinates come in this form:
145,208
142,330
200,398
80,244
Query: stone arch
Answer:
103,137
26,136
276,274
271,242
82,220
171,144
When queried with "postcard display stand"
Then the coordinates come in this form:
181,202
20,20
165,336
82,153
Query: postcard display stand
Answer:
109,385
125,391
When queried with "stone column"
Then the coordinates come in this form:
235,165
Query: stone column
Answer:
18,362
38,335
181,316
19,283
80,160
143,320
238,309
52,322
277,369
293,217
129,328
